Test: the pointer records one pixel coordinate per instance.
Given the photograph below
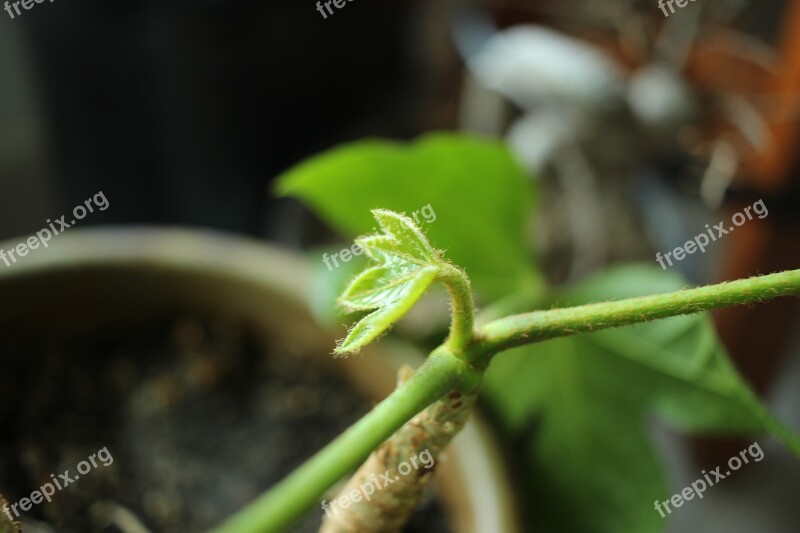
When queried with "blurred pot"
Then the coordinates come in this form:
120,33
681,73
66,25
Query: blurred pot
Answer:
89,279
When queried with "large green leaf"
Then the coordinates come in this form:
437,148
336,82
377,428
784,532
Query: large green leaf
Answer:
469,195
589,398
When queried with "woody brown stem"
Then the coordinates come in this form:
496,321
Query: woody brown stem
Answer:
397,493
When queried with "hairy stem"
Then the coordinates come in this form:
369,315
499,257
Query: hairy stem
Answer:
537,326
304,488
462,327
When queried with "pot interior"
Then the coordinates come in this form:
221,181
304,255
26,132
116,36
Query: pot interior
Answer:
198,388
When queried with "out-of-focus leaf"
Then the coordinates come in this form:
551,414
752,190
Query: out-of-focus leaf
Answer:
470,196
592,467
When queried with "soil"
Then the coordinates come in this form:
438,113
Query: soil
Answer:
197,417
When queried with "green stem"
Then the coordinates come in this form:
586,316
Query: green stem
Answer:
537,326
304,488
462,327
445,371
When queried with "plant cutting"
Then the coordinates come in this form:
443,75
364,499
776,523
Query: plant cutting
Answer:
674,367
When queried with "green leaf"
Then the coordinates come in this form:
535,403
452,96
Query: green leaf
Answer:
591,465
328,284
375,324
469,195
407,267
401,236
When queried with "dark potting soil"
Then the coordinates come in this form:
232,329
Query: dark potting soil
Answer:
192,419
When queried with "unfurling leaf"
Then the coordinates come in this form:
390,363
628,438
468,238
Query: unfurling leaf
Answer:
407,265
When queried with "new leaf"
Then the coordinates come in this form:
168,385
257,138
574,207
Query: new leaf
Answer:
407,265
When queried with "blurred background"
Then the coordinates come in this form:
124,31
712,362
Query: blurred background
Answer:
639,128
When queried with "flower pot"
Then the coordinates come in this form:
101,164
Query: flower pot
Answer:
193,358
